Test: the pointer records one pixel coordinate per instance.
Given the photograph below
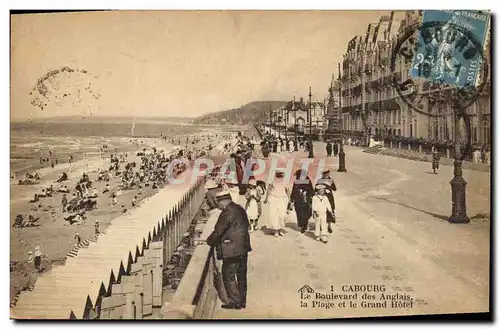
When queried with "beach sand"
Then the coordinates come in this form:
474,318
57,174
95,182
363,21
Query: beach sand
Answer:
55,236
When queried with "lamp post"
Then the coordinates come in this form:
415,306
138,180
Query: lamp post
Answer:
311,153
342,167
286,124
458,184
279,126
295,147
270,120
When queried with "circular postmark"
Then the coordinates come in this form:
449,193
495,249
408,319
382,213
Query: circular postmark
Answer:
435,57
447,60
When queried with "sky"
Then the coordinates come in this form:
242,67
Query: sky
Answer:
178,63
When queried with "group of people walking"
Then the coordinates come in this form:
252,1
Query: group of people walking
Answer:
332,147
275,144
240,216
317,202
231,234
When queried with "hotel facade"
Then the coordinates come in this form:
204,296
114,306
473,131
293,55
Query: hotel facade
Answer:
371,106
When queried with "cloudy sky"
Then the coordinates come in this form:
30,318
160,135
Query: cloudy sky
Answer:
184,63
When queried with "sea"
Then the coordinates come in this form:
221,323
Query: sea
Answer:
60,138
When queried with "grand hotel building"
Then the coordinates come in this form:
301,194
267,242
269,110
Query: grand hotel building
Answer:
372,106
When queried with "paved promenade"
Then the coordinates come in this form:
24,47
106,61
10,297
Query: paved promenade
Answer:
391,230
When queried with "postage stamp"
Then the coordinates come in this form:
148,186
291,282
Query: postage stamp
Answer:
444,53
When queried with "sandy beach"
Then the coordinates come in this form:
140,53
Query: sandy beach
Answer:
55,236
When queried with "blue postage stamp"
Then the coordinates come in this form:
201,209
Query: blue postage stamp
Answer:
447,46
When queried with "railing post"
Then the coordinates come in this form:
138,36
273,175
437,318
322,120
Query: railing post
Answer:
164,237
177,224
169,233
190,205
184,216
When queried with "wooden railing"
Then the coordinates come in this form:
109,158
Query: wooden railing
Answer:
196,295
137,288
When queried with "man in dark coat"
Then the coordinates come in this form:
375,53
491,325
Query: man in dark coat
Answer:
301,198
329,149
232,244
335,149
330,188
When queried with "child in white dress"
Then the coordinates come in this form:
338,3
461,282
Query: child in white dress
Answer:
253,204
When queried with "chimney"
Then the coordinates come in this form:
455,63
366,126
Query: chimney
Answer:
302,100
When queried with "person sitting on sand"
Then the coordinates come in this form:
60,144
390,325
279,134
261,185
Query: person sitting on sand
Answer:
114,201
63,189
78,219
106,188
38,259
94,194
62,178
35,198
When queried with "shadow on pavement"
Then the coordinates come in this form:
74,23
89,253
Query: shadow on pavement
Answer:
267,231
429,172
293,226
410,207
310,234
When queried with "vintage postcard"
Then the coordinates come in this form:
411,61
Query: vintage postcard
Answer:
242,165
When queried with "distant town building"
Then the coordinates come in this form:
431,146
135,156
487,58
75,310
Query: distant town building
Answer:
300,114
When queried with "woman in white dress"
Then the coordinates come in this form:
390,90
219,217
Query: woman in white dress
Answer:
278,195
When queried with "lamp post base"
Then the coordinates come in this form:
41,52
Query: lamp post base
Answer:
342,167
459,205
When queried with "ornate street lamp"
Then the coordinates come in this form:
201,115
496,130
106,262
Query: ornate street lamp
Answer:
311,153
458,184
342,167
279,125
286,124
270,120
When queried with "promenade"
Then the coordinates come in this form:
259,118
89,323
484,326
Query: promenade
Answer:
391,230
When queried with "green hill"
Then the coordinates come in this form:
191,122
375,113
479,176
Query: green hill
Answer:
247,114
